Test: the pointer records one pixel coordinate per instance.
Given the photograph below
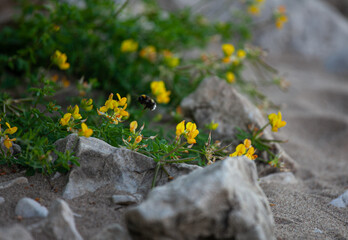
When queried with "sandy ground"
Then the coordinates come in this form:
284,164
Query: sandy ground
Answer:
316,110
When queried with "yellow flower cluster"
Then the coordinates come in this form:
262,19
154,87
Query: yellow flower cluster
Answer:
280,17
230,55
69,118
276,121
129,45
190,132
149,53
254,7
10,130
169,59
60,59
159,90
118,109
245,149
212,125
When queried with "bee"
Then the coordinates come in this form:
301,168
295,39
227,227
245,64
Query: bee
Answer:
147,102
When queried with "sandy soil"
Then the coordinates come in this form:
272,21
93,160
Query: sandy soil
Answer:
316,111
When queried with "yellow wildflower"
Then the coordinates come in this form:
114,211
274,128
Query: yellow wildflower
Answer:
159,90
247,143
133,126
226,60
230,77
240,150
85,131
87,105
276,121
8,142
254,9
138,139
172,61
129,45
66,82
65,119
250,154
54,78
241,54
192,132
280,21
10,130
59,59
212,125
121,101
148,53
75,113
228,49
180,129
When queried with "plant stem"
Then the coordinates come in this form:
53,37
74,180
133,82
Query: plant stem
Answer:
158,165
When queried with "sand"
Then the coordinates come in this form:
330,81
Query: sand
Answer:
316,110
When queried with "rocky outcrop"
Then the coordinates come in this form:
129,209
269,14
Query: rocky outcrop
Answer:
230,110
101,164
221,201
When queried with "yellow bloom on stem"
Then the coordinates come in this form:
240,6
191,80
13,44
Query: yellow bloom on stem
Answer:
250,154
121,101
159,90
148,53
226,60
247,143
192,132
180,129
172,61
133,126
129,45
230,77
138,139
280,21
65,119
241,54
254,10
87,105
276,121
240,150
75,113
228,49
60,59
8,142
10,130
212,125
85,131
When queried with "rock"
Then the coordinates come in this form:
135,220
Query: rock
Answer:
230,110
124,199
112,232
59,225
20,180
2,200
341,201
15,232
311,25
29,208
220,201
281,177
101,164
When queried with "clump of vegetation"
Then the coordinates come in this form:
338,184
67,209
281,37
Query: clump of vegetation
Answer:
50,45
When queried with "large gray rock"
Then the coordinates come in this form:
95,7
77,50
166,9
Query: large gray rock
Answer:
214,99
221,201
59,225
15,232
29,208
102,164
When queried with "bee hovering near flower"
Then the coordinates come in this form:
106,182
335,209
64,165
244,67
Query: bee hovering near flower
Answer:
147,102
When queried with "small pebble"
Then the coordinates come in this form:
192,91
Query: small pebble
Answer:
124,199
